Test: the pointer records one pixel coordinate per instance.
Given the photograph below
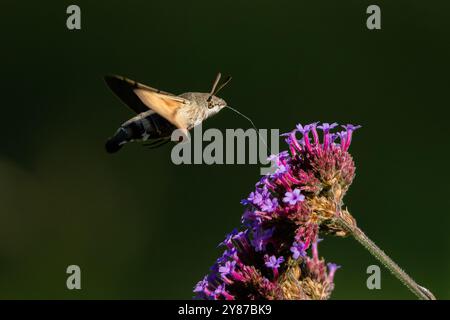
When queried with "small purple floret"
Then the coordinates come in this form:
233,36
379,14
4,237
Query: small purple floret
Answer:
293,197
274,262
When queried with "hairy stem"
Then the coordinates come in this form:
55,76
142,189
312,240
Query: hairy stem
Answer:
360,236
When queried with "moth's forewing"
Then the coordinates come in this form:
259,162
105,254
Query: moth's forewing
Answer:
126,88
164,105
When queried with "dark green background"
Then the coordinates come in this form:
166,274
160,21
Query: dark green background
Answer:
141,227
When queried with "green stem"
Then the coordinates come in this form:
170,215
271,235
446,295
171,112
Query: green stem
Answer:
359,235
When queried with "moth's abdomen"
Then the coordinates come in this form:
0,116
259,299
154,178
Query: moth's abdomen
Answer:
145,126
121,137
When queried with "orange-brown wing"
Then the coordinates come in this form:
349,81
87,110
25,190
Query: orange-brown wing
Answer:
141,98
164,105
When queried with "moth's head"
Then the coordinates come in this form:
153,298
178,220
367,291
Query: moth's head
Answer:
215,104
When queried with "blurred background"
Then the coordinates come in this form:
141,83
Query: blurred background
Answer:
141,227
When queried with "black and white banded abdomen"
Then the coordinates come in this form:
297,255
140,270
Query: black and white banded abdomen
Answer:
144,126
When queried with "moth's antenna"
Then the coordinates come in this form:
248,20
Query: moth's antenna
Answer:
253,125
213,89
223,85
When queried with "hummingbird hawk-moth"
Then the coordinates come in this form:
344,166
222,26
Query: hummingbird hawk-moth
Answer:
159,113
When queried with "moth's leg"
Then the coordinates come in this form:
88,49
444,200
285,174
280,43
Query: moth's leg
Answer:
185,136
156,143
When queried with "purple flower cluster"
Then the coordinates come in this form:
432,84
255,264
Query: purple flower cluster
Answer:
268,258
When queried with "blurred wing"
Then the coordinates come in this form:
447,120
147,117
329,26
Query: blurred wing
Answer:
158,127
140,98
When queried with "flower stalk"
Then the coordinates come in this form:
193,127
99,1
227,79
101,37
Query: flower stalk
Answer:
421,292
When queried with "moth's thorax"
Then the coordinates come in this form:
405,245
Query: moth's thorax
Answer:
199,107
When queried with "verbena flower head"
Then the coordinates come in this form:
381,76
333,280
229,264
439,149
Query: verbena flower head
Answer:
269,258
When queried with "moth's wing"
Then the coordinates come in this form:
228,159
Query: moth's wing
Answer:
165,105
125,88
158,127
